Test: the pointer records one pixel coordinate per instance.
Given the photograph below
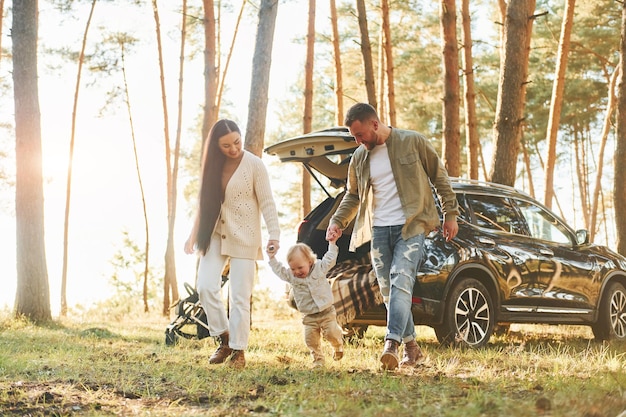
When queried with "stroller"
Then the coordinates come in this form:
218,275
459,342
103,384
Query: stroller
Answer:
191,320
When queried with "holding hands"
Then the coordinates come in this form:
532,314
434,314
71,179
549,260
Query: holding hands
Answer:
333,232
272,247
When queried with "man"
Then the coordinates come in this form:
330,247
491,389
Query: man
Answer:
388,190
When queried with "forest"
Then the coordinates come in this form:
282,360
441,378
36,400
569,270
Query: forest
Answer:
106,105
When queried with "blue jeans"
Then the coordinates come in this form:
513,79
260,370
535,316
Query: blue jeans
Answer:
395,262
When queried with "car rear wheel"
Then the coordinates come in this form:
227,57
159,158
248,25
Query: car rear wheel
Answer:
611,324
468,317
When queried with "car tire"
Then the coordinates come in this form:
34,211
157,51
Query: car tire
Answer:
469,316
611,324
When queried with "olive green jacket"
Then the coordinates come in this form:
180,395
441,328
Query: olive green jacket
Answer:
415,164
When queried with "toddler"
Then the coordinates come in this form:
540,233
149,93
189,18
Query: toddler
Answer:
313,296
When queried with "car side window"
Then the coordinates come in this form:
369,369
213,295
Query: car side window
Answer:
496,213
463,215
541,224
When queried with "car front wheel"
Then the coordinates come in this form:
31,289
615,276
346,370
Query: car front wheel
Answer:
611,324
468,317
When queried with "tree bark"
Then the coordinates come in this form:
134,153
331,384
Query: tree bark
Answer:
526,156
338,69
620,148
471,127
307,120
170,292
512,90
557,98
172,192
366,52
259,90
146,271
210,70
32,298
380,94
220,91
450,56
388,60
606,128
582,173
68,192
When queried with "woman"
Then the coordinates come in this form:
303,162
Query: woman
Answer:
234,192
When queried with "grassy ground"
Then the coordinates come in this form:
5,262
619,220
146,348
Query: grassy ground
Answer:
122,366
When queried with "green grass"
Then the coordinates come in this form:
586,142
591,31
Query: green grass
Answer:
92,367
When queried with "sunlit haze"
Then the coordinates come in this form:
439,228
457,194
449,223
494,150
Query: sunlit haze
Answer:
105,189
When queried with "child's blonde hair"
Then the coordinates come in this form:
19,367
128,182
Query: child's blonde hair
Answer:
302,249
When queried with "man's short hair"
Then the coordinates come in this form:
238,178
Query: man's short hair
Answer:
360,112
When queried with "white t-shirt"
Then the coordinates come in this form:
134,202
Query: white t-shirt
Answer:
387,206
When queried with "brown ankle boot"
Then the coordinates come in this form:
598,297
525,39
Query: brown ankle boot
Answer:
412,354
222,352
237,360
389,358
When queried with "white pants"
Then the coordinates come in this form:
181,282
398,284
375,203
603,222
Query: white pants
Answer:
209,287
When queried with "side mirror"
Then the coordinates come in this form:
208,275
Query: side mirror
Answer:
582,236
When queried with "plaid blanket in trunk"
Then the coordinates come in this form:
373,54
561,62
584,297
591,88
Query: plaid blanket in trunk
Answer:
355,289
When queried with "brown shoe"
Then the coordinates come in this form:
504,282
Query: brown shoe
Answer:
237,360
412,354
222,352
389,358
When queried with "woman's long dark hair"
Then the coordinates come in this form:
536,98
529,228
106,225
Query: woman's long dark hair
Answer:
211,185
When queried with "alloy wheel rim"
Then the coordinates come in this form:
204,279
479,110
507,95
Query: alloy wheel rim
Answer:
618,314
472,316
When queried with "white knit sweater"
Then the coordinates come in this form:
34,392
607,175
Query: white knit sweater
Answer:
248,195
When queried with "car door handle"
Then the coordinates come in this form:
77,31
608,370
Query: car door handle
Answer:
486,241
546,252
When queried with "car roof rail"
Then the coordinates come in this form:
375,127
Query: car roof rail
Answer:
489,184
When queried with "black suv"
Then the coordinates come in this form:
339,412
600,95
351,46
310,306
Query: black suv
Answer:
513,260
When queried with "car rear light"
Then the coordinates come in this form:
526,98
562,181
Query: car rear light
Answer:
301,225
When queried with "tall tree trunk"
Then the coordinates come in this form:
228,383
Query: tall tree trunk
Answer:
606,128
512,90
366,52
170,293
32,298
502,9
220,91
557,98
307,120
259,90
471,127
146,271
210,70
388,49
531,183
450,56
543,165
382,112
620,149
338,69
68,193
582,173
172,193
